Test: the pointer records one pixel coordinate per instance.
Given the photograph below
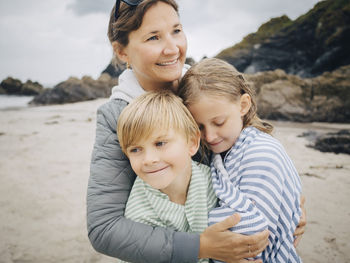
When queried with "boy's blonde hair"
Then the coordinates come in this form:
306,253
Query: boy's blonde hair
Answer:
154,111
218,78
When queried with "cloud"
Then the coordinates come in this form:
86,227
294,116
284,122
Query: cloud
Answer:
48,41
84,7
45,43
214,25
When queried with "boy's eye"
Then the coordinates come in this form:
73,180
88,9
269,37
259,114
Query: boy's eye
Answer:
134,150
160,144
177,30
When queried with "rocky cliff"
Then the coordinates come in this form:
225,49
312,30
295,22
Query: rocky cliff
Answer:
316,42
281,96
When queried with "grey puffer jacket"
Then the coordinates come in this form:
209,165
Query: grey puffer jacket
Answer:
110,182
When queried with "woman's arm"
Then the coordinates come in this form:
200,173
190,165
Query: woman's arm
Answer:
110,182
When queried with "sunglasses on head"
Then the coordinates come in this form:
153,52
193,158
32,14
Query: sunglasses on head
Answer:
129,2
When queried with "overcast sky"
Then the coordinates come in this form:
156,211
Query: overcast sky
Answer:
51,40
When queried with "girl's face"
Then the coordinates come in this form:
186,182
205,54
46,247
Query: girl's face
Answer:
157,50
220,120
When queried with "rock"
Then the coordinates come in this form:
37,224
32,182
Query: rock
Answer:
11,86
74,90
334,142
281,96
31,88
115,67
281,100
190,61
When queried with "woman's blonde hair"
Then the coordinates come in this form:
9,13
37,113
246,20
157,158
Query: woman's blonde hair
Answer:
218,78
154,111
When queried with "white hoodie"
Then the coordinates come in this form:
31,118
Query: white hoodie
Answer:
129,87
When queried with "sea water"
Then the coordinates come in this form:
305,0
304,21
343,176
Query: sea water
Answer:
13,101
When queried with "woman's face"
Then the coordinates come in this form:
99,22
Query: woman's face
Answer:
157,50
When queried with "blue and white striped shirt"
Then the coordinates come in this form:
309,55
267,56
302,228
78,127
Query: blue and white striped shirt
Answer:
258,180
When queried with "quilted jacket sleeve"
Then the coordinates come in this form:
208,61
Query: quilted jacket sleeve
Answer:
110,182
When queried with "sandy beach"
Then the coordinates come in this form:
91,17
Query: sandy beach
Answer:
44,169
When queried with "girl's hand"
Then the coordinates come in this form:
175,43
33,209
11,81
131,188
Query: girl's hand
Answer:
300,230
218,242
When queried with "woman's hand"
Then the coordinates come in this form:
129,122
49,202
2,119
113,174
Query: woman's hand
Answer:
302,223
218,242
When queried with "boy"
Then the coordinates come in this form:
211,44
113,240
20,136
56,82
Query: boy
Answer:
159,136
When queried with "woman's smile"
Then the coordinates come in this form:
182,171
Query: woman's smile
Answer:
168,63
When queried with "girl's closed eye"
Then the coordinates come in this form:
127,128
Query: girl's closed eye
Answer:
219,122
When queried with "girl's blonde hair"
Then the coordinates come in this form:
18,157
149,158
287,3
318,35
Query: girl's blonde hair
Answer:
154,111
218,78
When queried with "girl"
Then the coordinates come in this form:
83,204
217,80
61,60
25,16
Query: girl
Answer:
251,172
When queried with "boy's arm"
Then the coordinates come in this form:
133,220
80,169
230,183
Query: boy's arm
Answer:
300,230
110,182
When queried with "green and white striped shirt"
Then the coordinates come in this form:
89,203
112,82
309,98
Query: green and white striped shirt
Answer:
151,206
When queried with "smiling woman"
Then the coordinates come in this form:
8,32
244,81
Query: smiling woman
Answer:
157,50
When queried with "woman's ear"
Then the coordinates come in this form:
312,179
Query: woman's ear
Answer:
119,50
245,103
194,144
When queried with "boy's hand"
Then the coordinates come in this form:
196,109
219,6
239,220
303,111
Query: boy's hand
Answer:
218,242
300,230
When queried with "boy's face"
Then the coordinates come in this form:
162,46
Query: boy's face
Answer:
163,160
